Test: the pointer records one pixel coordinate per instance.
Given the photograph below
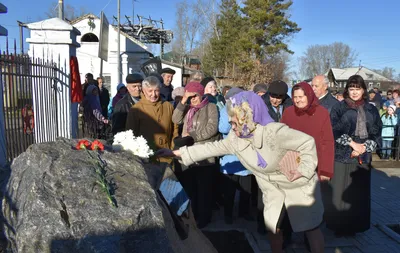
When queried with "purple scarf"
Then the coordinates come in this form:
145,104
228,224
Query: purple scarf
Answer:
192,111
260,115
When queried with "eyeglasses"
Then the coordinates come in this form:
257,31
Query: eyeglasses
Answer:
389,94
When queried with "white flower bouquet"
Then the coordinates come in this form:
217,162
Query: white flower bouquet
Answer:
137,145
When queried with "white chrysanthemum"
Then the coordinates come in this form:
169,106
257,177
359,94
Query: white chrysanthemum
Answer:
137,145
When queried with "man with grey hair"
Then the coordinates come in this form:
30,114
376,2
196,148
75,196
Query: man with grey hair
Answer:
320,86
151,117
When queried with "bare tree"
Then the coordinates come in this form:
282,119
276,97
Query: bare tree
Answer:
208,10
320,58
387,72
70,12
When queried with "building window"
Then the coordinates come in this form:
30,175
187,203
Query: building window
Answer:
370,85
89,37
378,84
107,82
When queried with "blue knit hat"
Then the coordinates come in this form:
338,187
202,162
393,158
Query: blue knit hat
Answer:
121,85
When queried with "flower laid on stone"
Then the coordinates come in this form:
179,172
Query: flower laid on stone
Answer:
100,169
83,144
97,145
137,145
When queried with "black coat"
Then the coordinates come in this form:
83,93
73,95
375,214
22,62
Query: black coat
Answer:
104,101
344,121
286,102
328,101
166,92
120,113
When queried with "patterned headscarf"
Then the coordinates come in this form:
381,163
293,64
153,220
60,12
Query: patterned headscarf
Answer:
258,108
245,103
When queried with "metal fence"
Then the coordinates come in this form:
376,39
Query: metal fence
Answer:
33,109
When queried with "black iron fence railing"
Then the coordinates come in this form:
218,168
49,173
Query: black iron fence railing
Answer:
34,108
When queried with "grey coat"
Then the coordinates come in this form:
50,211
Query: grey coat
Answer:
301,197
205,125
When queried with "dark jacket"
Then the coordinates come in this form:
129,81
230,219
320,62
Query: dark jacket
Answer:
166,92
328,101
286,102
104,101
344,122
121,112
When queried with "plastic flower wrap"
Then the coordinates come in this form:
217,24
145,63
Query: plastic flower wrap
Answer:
137,145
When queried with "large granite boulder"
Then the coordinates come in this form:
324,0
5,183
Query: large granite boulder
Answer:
52,203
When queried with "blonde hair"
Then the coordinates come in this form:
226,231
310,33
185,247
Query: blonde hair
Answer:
244,115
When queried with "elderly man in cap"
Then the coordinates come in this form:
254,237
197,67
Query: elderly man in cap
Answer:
320,86
277,99
166,87
134,86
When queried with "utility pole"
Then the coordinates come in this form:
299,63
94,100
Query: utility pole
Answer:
61,9
118,41
21,36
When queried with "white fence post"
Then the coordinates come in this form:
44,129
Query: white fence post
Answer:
3,142
56,39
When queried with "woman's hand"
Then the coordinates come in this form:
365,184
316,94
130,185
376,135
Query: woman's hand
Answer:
359,148
165,152
105,121
325,179
294,174
354,154
186,96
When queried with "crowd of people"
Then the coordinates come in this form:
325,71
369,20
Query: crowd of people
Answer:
302,158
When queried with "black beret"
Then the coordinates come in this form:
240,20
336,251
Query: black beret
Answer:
278,87
261,87
168,71
206,80
371,91
134,78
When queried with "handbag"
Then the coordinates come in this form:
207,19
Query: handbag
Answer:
289,165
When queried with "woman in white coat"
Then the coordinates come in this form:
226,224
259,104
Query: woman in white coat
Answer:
260,144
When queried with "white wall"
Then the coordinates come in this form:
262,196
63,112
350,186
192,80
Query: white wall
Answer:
132,55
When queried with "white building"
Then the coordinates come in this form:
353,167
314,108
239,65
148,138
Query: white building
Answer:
133,52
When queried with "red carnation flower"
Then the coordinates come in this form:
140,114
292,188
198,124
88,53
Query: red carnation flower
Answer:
97,145
83,144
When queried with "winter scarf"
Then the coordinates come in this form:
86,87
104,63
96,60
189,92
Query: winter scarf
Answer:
361,128
192,111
